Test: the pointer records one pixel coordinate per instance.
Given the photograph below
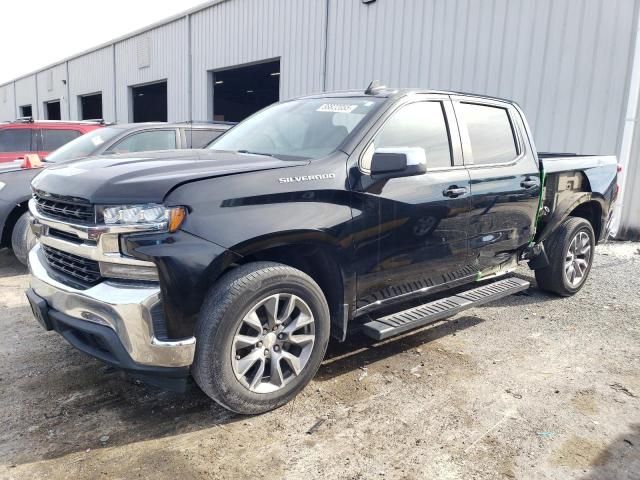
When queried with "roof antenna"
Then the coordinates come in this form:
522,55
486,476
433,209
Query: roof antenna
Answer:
373,88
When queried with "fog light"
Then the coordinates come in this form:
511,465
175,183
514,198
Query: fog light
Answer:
128,272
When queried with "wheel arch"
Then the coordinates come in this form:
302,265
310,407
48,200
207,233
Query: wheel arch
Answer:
587,205
321,261
592,212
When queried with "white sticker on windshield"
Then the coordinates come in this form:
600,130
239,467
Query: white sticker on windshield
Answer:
337,108
97,140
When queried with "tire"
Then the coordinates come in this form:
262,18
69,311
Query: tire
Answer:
22,238
556,278
226,321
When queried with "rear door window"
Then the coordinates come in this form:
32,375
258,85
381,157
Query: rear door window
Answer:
201,138
15,140
491,133
52,139
146,141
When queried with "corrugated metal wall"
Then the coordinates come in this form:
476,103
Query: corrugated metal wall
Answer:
51,87
93,73
565,62
247,31
7,104
164,52
26,94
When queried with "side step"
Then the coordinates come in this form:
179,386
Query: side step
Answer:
415,317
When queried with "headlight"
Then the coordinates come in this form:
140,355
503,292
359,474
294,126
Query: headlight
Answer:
157,217
2,184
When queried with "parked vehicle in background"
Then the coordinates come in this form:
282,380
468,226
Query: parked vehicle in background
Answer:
379,211
27,135
15,181
140,137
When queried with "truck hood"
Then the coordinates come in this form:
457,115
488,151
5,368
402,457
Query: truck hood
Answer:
146,177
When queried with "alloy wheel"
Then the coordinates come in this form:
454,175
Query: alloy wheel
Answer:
578,259
273,343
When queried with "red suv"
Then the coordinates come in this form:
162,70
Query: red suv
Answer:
43,136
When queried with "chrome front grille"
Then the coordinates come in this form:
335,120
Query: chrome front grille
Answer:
64,209
84,269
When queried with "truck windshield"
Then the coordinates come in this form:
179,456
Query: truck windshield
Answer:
307,128
83,146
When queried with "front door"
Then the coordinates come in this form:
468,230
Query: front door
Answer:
412,231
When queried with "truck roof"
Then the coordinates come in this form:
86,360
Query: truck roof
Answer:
387,92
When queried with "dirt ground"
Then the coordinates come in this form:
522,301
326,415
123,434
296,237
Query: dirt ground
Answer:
530,387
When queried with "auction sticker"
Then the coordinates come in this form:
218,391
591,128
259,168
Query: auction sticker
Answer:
337,108
97,140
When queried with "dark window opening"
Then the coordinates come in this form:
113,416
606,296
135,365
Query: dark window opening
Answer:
91,107
150,102
53,110
25,111
240,92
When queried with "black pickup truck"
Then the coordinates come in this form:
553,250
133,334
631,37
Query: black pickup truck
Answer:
377,211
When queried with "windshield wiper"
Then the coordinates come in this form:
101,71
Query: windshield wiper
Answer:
256,153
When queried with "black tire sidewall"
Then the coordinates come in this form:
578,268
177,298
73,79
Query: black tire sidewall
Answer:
22,239
216,328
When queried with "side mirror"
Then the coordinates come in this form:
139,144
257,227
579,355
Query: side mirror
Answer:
398,162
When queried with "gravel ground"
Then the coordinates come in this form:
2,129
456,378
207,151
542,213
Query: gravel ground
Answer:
530,387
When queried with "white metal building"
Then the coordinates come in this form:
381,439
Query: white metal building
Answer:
573,65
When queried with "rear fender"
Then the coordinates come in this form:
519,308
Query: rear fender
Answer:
564,209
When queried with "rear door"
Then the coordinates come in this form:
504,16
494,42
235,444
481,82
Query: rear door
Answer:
412,231
505,179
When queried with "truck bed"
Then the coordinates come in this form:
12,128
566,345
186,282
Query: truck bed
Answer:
568,176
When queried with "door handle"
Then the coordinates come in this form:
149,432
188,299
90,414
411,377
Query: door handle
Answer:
529,183
454,191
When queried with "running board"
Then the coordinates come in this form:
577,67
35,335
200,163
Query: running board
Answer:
415,317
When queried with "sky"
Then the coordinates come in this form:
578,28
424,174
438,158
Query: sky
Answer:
36,33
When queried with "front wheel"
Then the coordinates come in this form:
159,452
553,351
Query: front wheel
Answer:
261,336
570,250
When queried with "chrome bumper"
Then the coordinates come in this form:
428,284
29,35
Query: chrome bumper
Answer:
124,307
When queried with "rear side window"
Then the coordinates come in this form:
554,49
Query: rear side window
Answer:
54,139
15,140
201,138
422,125
146,141
490,133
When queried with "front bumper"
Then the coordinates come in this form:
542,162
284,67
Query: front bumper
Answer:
123,310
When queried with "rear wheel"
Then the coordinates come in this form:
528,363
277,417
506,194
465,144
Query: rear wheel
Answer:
22,238
261,336
570,250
